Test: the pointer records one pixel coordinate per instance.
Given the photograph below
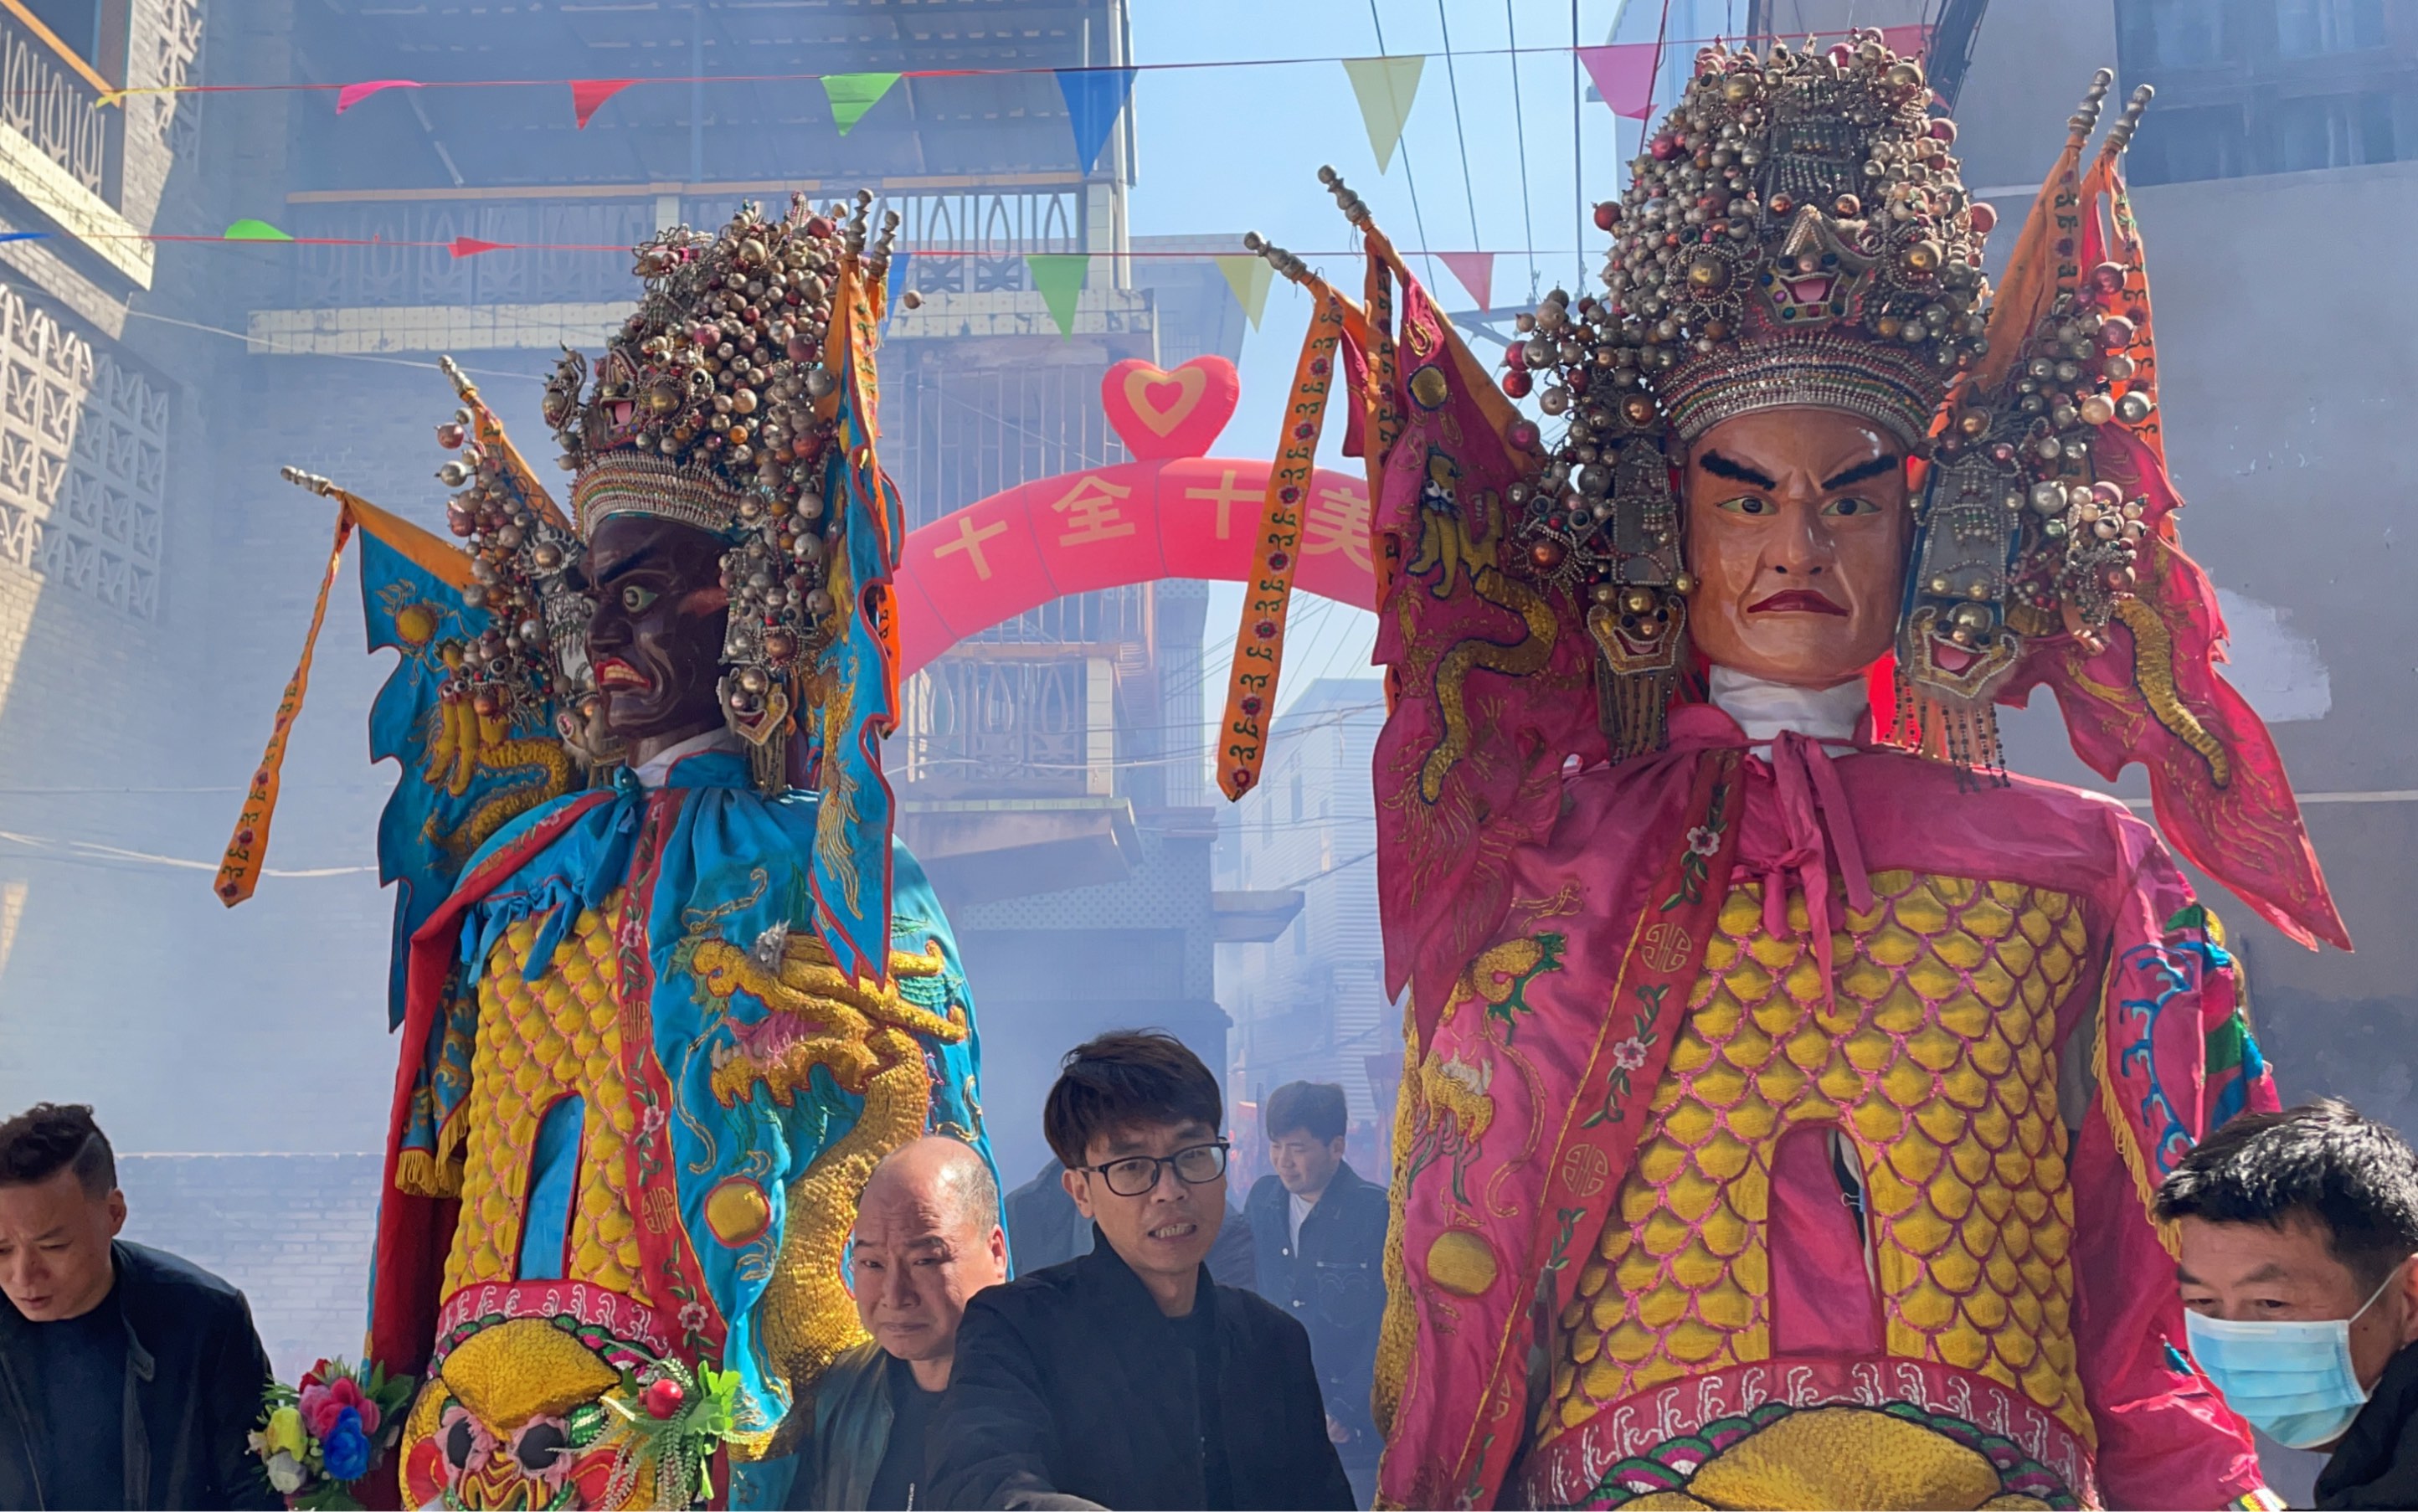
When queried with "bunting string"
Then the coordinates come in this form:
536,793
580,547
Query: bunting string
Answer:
349,94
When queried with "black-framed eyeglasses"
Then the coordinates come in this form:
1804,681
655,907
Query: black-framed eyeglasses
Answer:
1136,1175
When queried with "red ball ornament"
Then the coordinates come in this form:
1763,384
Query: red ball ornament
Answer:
1607,215
663,1397
1517,383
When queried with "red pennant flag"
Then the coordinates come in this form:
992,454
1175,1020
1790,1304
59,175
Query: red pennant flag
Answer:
1624,76
353,94
1475,271
472,246
587,94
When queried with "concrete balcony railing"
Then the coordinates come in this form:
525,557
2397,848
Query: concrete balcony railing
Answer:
47,96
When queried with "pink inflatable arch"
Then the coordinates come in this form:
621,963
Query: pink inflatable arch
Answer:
1172,512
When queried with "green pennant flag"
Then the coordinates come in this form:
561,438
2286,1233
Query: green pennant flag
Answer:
1385,86
247,230
1249,277
853,94
1059,277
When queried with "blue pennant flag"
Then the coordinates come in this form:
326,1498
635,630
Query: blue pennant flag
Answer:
1095,97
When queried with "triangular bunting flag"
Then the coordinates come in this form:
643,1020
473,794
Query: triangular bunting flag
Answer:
1475,271
1249,277
1624,76
1093,98
353,94
587,94
472,246
1385,86
1059,277
256,231
895,284
853,94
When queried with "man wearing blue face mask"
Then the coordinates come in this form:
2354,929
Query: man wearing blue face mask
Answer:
2299,1268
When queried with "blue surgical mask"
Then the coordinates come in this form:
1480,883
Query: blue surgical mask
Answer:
2293,1381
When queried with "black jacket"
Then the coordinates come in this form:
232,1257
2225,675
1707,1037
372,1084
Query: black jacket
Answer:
1071,1388
853,1417
1045,1228
194,1375
2376,1464
1335,1286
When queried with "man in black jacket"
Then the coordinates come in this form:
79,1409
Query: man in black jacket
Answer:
1129,1378
2298,1235
1321,1232
127,1378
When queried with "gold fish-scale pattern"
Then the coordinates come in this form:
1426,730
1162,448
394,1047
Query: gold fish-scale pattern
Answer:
539,1042
1937,1057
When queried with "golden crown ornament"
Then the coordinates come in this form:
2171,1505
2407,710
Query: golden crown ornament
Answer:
711,406
1796,233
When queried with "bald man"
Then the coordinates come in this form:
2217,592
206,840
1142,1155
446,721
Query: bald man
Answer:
927,1237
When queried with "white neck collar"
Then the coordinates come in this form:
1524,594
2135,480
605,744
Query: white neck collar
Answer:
1762,710
658,767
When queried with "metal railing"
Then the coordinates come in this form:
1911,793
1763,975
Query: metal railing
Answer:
971,241
388,269
999,725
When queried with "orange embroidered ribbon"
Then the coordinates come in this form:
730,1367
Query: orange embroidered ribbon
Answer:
1258,645
239,870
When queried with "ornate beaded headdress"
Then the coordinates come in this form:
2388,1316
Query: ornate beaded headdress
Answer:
711,407
1795,234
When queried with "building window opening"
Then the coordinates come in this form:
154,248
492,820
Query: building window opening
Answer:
2172,34
94,31
2306,28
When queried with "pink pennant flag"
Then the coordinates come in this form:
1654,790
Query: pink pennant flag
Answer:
1624,76
587,94
1907,41
1476,270
353,94
472,246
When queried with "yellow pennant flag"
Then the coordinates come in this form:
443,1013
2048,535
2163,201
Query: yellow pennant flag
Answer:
1249,275
1385,87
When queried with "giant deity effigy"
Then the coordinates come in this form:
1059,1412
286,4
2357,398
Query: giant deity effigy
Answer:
1785,1082
667,988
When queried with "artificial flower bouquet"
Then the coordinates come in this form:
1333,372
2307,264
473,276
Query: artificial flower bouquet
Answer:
318,1438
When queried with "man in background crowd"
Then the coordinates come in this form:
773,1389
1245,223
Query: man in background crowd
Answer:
1320,1230
127,1378
928,1238
1129,1377
2299,1267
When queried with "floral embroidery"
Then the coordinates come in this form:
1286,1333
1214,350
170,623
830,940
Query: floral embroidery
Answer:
1630,1055
1704,842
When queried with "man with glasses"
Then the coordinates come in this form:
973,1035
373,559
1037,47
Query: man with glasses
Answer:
1129,1377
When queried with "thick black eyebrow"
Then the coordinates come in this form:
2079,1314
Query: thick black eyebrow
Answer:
1736,472
1874,467
625,566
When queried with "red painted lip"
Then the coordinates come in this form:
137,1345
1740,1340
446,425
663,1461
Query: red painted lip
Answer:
613,672
1796,601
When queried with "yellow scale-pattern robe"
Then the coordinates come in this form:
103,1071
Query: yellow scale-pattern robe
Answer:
539,1042
1937,1061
